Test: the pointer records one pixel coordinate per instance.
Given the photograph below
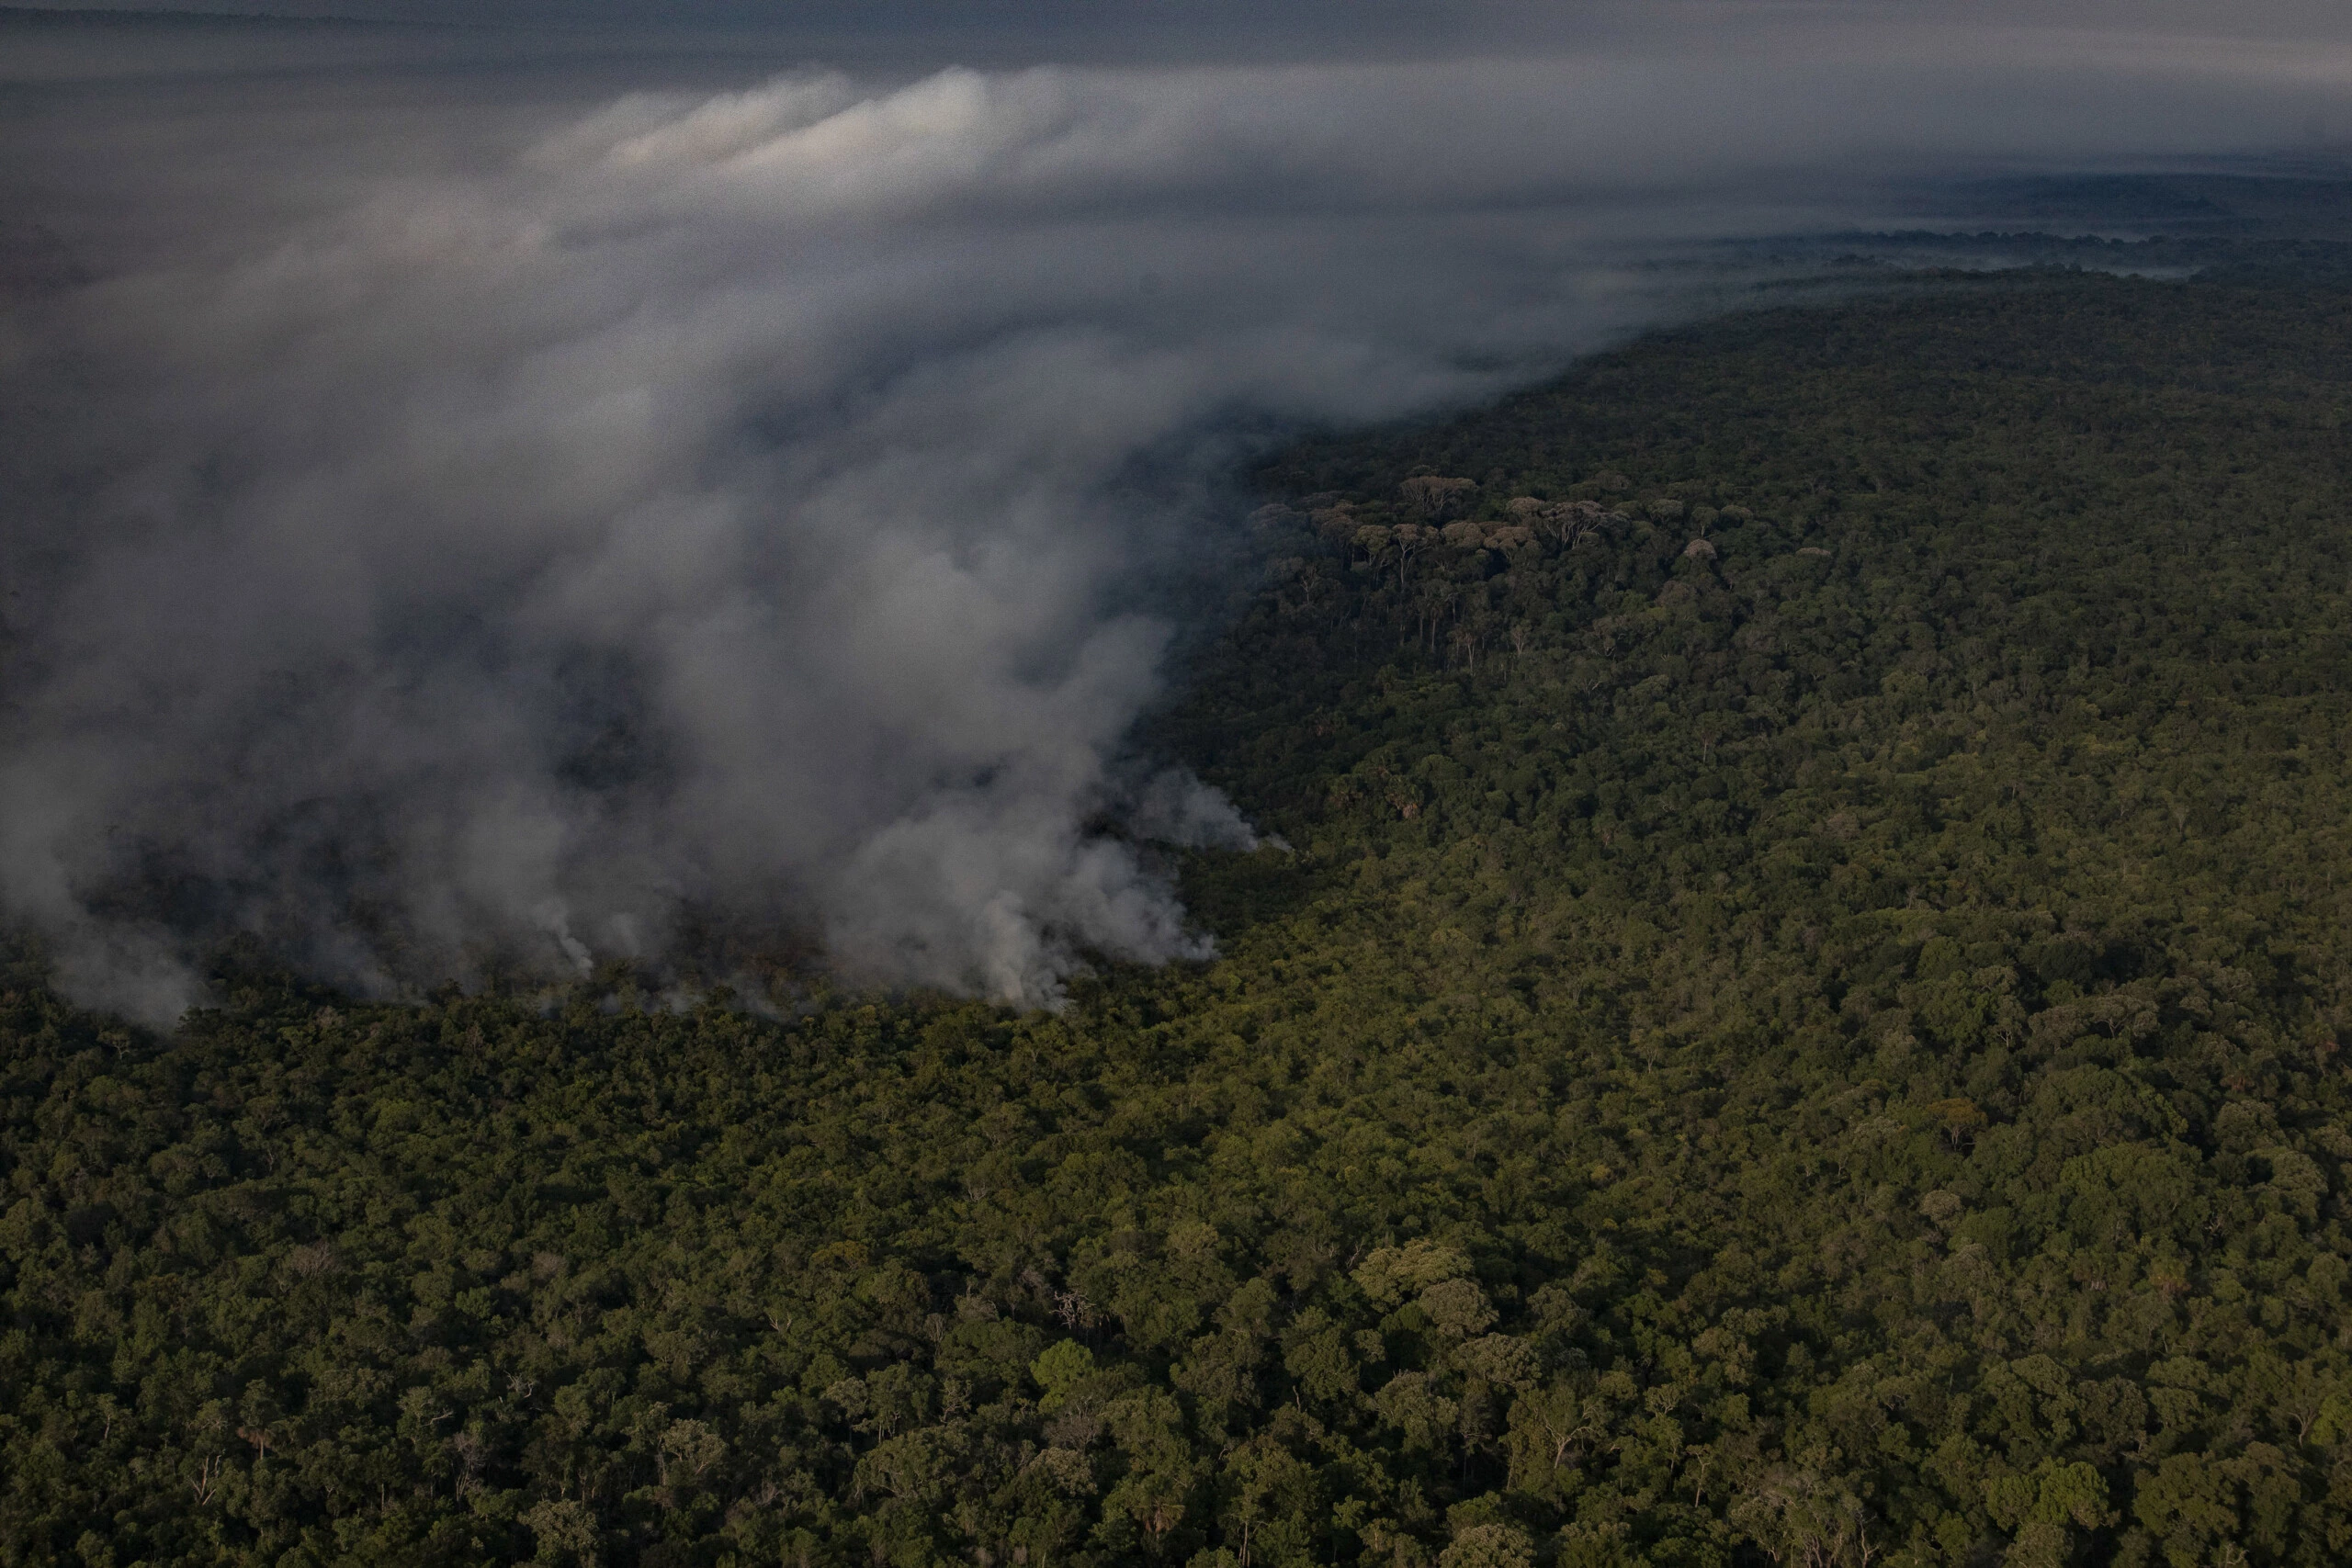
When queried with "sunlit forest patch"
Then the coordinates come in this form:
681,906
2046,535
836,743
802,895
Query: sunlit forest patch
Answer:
1796,1017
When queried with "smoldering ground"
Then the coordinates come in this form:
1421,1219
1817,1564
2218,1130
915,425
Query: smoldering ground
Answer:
459,512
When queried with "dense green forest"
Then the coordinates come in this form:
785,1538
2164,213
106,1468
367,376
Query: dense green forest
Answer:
1800,1023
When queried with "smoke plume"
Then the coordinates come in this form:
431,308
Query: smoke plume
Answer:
442,528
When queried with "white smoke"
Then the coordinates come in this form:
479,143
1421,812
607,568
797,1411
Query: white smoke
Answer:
753,501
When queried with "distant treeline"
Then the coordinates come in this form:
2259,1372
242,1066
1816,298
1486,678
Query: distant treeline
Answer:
1801,1023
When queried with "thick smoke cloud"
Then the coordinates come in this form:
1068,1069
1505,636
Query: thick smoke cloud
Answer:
766,504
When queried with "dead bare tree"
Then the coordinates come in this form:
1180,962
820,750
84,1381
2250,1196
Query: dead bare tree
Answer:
1435,496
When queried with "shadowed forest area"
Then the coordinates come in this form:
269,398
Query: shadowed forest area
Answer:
1800,1023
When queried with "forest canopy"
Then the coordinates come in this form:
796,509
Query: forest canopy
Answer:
1799,1020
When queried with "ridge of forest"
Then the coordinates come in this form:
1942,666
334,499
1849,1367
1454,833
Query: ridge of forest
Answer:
1801,1024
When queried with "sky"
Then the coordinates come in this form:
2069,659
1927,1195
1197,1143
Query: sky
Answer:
493,501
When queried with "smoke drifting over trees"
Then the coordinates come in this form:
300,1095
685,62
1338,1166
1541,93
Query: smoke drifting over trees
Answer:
760,501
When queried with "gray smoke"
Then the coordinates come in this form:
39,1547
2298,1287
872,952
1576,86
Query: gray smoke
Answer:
519,537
